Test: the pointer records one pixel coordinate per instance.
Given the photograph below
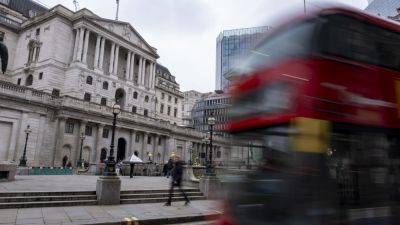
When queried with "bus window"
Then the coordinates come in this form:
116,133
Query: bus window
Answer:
292,42
355,40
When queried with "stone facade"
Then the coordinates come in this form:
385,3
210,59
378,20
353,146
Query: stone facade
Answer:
66,71
190,99
169,97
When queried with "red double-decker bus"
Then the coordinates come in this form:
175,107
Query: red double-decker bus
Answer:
322,93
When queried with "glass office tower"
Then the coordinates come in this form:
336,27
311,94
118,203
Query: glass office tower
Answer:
383,8
232,46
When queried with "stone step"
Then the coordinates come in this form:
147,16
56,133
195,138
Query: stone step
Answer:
157,191
57,193
155,200
47,198
41,204
158,195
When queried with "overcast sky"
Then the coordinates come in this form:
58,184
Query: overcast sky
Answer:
184,31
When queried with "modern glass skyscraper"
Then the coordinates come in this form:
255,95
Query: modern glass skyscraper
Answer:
383,8
232,46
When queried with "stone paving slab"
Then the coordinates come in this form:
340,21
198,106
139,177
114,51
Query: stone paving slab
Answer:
78,183
153,213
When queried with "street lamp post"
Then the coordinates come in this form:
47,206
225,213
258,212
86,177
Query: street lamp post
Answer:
110,163
22,161
80,161
211,123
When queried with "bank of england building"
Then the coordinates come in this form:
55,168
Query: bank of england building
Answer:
66,70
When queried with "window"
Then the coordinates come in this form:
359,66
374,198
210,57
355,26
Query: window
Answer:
29,80
176,100
219,154
40,75
137,138
89,80
159,141
88,130
19,81
146,98
162,108
359,41
135,95
169,110
175,112
145,112
103,101
55,92
105,85
69,128
134,109
169,98
105,133
87,97
148,140
38,31
162,95
291,43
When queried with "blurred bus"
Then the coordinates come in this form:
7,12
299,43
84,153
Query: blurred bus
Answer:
323,94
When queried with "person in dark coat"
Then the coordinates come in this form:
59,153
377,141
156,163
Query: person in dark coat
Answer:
176,181
170,166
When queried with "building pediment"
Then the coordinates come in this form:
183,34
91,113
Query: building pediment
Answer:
124,30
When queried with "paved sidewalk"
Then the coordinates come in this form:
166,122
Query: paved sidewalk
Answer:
78,183
109,214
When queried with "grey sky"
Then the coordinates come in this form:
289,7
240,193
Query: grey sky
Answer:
184,31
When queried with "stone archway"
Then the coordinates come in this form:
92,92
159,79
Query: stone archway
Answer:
120,97
121,150
66,155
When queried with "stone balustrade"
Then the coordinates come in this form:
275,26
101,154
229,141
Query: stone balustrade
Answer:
25,93
35,96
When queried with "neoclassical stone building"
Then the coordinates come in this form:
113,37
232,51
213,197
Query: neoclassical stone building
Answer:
66,71
168,96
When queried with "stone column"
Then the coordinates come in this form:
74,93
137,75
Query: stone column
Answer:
144,146
80,45
128,66
155,150
111,68
97,52
60,141
94,158
74,57
140,70
152,75
116,60
85,49
75,154
132,67
103,43
144,72
131,141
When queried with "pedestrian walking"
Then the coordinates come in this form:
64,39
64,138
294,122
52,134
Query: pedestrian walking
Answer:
131,170
176,181
170,166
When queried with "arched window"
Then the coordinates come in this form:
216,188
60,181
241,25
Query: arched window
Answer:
146,98
29,80
134,109
135,95
89,80
103,101
105,85
145,112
